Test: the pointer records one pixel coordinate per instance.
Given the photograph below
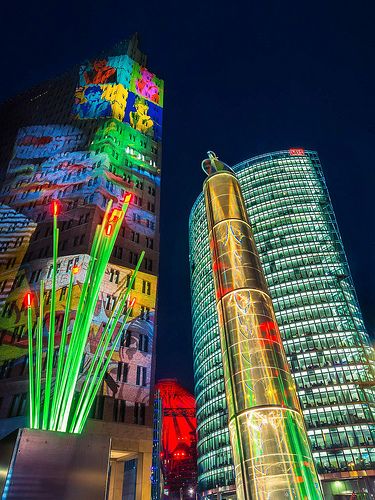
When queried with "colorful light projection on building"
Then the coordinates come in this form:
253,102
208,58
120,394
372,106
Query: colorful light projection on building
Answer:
57,410
178,435
16,231
114,100
43,141
83,176
123,70
119,87
128,150
63,162
270,448
46,169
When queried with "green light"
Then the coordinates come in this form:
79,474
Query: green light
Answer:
38,356
51,335
61,356
31,366
58,398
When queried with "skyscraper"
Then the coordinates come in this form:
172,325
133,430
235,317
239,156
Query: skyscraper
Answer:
317,311
87,137
271,452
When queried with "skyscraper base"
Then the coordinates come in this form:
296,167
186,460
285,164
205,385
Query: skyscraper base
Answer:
58,466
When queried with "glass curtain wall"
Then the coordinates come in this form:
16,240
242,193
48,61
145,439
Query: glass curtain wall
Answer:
316,308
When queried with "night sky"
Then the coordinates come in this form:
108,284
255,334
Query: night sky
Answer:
242,79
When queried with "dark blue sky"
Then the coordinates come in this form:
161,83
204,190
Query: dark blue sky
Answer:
242,79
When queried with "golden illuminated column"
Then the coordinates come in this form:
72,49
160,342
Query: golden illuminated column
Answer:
271,452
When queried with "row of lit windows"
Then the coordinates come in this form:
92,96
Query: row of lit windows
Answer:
211,411
271,199
277,170
287,188
317,359
280,246
318,284
299,231
320,342
351,459
208,354
269,160
210,377
203,338
358,374
218,422
204,326
212,393
326,417
296,214
302,249
223,476
334,395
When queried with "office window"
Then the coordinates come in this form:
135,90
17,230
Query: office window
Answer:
122,372
125,372
141,378
119,371
143,342
69,265
139,413
119,410
115,409
47,297
108,302
18,405
122,410
145,313
144,376
135,237
146,287
117,252
128,278
147,264
114,276
133,257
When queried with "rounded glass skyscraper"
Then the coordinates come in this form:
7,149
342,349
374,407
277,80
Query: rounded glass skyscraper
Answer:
317,311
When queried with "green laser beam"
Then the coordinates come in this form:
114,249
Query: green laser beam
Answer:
38,356
31,364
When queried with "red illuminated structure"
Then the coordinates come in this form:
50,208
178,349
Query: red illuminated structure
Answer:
178,439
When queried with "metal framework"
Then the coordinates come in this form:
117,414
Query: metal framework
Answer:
178,438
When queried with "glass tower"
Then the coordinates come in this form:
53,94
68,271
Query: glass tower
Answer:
317,311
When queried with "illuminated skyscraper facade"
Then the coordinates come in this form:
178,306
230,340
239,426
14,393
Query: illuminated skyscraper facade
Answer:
87,137
317,311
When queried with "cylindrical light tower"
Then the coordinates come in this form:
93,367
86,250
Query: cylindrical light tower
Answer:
271,452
